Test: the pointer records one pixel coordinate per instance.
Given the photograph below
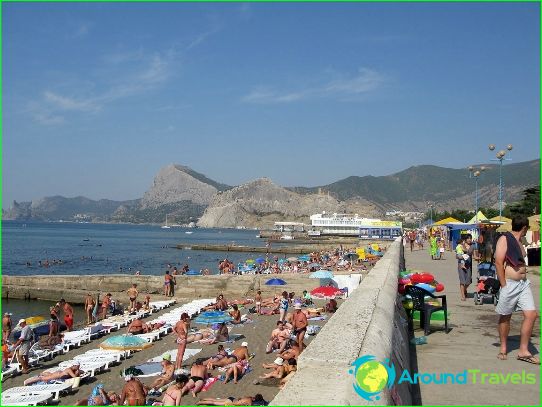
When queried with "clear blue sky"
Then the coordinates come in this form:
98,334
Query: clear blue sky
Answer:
98,97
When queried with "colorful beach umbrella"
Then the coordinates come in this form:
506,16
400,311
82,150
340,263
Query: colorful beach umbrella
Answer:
193,273
212,317
325,292
125,342
322,274
275,281
250,261
304,257
260,260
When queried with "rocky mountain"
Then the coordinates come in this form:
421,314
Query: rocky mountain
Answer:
185,196
447,188
61,208
261,202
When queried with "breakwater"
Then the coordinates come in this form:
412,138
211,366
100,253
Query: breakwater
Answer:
74,288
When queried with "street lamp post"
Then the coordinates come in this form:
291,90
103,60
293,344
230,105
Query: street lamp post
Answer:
431,209
500,157
475,173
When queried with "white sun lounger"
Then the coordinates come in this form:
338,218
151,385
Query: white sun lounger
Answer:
149,337
87,366
25,399
54,389
12,370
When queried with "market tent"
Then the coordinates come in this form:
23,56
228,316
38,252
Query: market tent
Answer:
501,219
480,216
445,221
534,223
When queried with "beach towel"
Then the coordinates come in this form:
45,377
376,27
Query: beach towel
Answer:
233,338
187,354
209,382
320,318
313,329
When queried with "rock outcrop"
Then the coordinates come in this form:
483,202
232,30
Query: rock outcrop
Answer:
260,203
174,184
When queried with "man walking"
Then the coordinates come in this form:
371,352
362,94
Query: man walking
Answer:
25,341
515,293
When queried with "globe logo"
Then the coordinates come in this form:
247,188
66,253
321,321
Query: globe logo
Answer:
372,376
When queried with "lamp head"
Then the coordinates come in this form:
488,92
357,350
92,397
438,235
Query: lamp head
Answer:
509,147
491,147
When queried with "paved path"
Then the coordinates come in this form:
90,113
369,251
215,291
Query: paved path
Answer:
471,344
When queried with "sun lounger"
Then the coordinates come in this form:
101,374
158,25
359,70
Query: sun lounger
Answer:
25,399
12,370
87,366
149,337
54,389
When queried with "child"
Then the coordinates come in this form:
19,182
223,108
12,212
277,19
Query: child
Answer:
258,301
460,254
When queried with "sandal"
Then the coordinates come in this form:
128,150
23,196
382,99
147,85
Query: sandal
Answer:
502,356
529,359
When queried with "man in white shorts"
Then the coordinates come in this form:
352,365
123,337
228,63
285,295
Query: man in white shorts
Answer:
515,293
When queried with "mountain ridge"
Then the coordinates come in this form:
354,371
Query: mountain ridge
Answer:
187,195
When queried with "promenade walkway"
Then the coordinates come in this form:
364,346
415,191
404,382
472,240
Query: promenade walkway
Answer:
471,344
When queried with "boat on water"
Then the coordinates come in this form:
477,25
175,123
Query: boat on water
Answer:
166,226
188,232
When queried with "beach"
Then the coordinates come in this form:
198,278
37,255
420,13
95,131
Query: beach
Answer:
256,333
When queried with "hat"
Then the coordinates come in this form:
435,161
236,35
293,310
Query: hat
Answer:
76,363
245,344
128,377
278,361
8,313
21,321
297,305
166,356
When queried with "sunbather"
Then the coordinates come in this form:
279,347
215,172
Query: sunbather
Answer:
198,375
69,372
279,337
238,354
257,400
166,376
292,352
221,354
98,397
282,369
173,394
235,314
239,368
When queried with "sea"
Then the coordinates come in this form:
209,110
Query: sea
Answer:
89,248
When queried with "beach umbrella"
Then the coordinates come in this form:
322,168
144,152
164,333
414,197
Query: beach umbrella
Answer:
326,292
275,281
283,261
260,260
250,261
351,256
314,265
292,259
212,317
125,342
304,257
321,274
193,273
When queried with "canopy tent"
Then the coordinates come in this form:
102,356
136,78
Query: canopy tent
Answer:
445,221
478,217
501,219
534,223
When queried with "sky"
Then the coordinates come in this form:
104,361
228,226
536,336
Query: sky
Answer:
98,97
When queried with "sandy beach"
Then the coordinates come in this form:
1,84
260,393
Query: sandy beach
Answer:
256,333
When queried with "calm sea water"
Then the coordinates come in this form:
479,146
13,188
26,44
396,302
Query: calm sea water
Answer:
86,248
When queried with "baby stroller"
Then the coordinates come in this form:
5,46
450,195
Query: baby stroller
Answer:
488,285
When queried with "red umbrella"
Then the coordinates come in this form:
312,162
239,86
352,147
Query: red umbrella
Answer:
326,292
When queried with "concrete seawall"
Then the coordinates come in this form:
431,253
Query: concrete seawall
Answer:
74,288
371,321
